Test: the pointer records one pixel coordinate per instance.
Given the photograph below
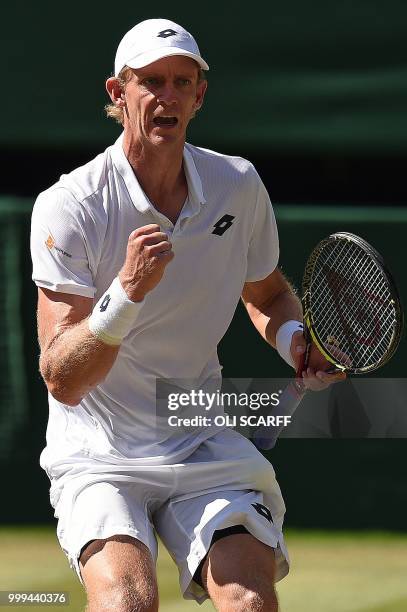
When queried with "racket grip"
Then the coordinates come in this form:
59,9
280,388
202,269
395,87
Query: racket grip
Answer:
266,437
304,358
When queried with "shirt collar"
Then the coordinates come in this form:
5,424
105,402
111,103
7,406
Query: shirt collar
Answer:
136,193
195,190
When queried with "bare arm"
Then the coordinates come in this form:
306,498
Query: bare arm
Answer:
73,360
269,303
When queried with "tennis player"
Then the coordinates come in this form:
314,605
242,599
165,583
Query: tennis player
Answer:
140,258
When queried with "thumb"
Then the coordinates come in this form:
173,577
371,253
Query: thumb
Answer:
298,345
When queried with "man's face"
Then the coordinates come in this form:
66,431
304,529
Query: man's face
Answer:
161,99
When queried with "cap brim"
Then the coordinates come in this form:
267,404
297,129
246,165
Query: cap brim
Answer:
144,59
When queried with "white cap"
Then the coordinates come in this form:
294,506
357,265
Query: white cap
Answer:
153,39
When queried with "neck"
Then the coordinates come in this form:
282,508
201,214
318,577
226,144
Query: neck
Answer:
160,172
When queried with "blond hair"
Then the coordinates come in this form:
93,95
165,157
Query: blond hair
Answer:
125,75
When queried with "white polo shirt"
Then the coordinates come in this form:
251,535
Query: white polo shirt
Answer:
225,235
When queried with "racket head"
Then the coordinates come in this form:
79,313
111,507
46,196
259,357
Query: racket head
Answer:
352,309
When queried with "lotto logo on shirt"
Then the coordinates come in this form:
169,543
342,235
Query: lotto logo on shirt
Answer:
223,224
50,242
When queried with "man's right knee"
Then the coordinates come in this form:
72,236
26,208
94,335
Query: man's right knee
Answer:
123,595
119,576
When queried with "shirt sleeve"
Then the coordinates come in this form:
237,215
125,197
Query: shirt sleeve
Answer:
264,246
59,248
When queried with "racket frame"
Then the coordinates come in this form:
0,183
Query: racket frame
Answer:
310,332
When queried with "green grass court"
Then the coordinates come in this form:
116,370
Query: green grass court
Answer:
330,572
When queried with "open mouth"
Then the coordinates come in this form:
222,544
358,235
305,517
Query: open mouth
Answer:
163,121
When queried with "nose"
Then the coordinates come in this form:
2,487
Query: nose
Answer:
167,95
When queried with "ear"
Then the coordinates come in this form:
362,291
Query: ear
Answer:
115,92
200,94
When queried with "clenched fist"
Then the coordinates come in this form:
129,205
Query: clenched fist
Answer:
149,251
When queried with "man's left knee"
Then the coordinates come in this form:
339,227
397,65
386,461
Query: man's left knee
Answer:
239,575
242,599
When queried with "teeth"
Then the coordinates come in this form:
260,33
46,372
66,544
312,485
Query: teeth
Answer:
165,120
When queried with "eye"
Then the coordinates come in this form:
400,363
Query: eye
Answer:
184,81
150,81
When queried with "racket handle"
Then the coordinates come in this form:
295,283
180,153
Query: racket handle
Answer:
266,437
304,358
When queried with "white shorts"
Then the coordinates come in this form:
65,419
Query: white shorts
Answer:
225,482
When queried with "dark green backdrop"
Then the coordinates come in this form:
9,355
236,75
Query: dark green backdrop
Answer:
285,76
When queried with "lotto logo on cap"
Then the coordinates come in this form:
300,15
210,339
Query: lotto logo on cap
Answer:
152,40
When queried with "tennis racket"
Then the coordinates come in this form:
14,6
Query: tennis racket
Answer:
352,313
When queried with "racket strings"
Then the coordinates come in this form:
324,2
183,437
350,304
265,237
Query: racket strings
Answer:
334,272
338,285
351,304
355,310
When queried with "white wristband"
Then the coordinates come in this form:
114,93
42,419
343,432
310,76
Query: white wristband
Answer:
283,339
114,315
